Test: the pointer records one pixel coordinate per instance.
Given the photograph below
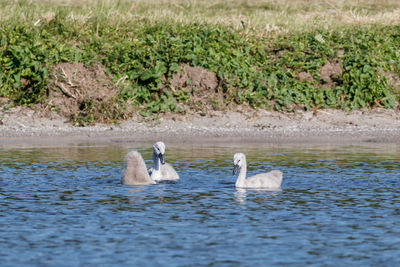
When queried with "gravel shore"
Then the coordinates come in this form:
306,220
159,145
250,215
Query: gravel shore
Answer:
25,127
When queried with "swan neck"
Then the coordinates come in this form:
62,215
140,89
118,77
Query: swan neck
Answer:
242,175
156,162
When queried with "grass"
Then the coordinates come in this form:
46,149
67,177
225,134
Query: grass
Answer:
259,17
257,48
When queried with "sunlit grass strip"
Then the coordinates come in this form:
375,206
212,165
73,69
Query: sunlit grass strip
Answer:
255,17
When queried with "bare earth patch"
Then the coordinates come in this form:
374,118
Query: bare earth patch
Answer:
330,73
305,76
202,87
75,87
393,80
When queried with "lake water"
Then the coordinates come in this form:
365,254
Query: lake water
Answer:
65,206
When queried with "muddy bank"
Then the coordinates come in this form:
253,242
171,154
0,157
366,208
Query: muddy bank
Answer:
26,127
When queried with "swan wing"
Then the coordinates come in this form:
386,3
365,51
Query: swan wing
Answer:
135,172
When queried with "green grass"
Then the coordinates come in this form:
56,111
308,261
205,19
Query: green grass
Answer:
141,46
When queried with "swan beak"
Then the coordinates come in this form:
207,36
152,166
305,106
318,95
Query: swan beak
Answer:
235,169
162,158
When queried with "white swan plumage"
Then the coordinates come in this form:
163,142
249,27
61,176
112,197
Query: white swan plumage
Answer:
270,180
161,170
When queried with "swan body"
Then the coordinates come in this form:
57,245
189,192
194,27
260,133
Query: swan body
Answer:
166,172
272,179
135,172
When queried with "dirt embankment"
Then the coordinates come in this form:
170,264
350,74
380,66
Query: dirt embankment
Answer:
88,93
77,92
84,92
74,85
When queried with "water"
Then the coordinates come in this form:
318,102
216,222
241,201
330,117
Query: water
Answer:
337,206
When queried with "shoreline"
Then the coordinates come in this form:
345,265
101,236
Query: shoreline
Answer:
23,127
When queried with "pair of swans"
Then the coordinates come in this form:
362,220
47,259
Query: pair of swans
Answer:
135,172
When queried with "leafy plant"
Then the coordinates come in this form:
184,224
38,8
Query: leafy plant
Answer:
259,71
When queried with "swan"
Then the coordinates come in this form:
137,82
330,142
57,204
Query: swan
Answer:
161,170
272,179
135,172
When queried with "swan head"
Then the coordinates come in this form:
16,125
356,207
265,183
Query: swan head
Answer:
239,159
159,151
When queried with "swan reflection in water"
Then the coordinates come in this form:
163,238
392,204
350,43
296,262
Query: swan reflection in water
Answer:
241,194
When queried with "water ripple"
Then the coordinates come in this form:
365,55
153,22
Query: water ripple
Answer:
66,206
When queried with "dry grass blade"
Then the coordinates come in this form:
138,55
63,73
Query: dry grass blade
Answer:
260,17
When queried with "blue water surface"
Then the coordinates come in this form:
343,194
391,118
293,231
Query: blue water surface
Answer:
65,206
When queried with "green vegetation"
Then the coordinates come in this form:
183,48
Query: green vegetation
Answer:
141,54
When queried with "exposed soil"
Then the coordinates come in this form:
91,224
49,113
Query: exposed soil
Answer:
393,80
202,87
305,76
74,86
330,73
